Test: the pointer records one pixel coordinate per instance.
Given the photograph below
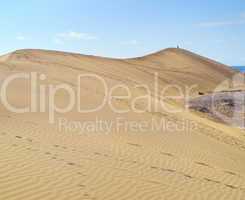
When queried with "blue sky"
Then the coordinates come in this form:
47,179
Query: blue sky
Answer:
126,28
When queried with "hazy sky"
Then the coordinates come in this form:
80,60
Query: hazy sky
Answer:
126,28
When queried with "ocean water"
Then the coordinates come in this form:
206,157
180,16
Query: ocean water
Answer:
240,68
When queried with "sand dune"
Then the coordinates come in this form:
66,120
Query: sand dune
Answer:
40,161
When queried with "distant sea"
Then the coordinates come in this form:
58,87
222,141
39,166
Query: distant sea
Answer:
240,68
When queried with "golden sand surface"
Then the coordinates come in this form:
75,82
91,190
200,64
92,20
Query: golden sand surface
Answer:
38,160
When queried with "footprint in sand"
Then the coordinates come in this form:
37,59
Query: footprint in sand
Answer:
188,176
231,173
168,170
231,186
96,153
81,185
71,163
167,154
211,180
154,167
134,144
203,164
86,195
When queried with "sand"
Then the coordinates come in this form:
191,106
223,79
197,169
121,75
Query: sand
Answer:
39,161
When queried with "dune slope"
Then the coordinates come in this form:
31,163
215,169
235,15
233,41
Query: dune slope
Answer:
200,159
